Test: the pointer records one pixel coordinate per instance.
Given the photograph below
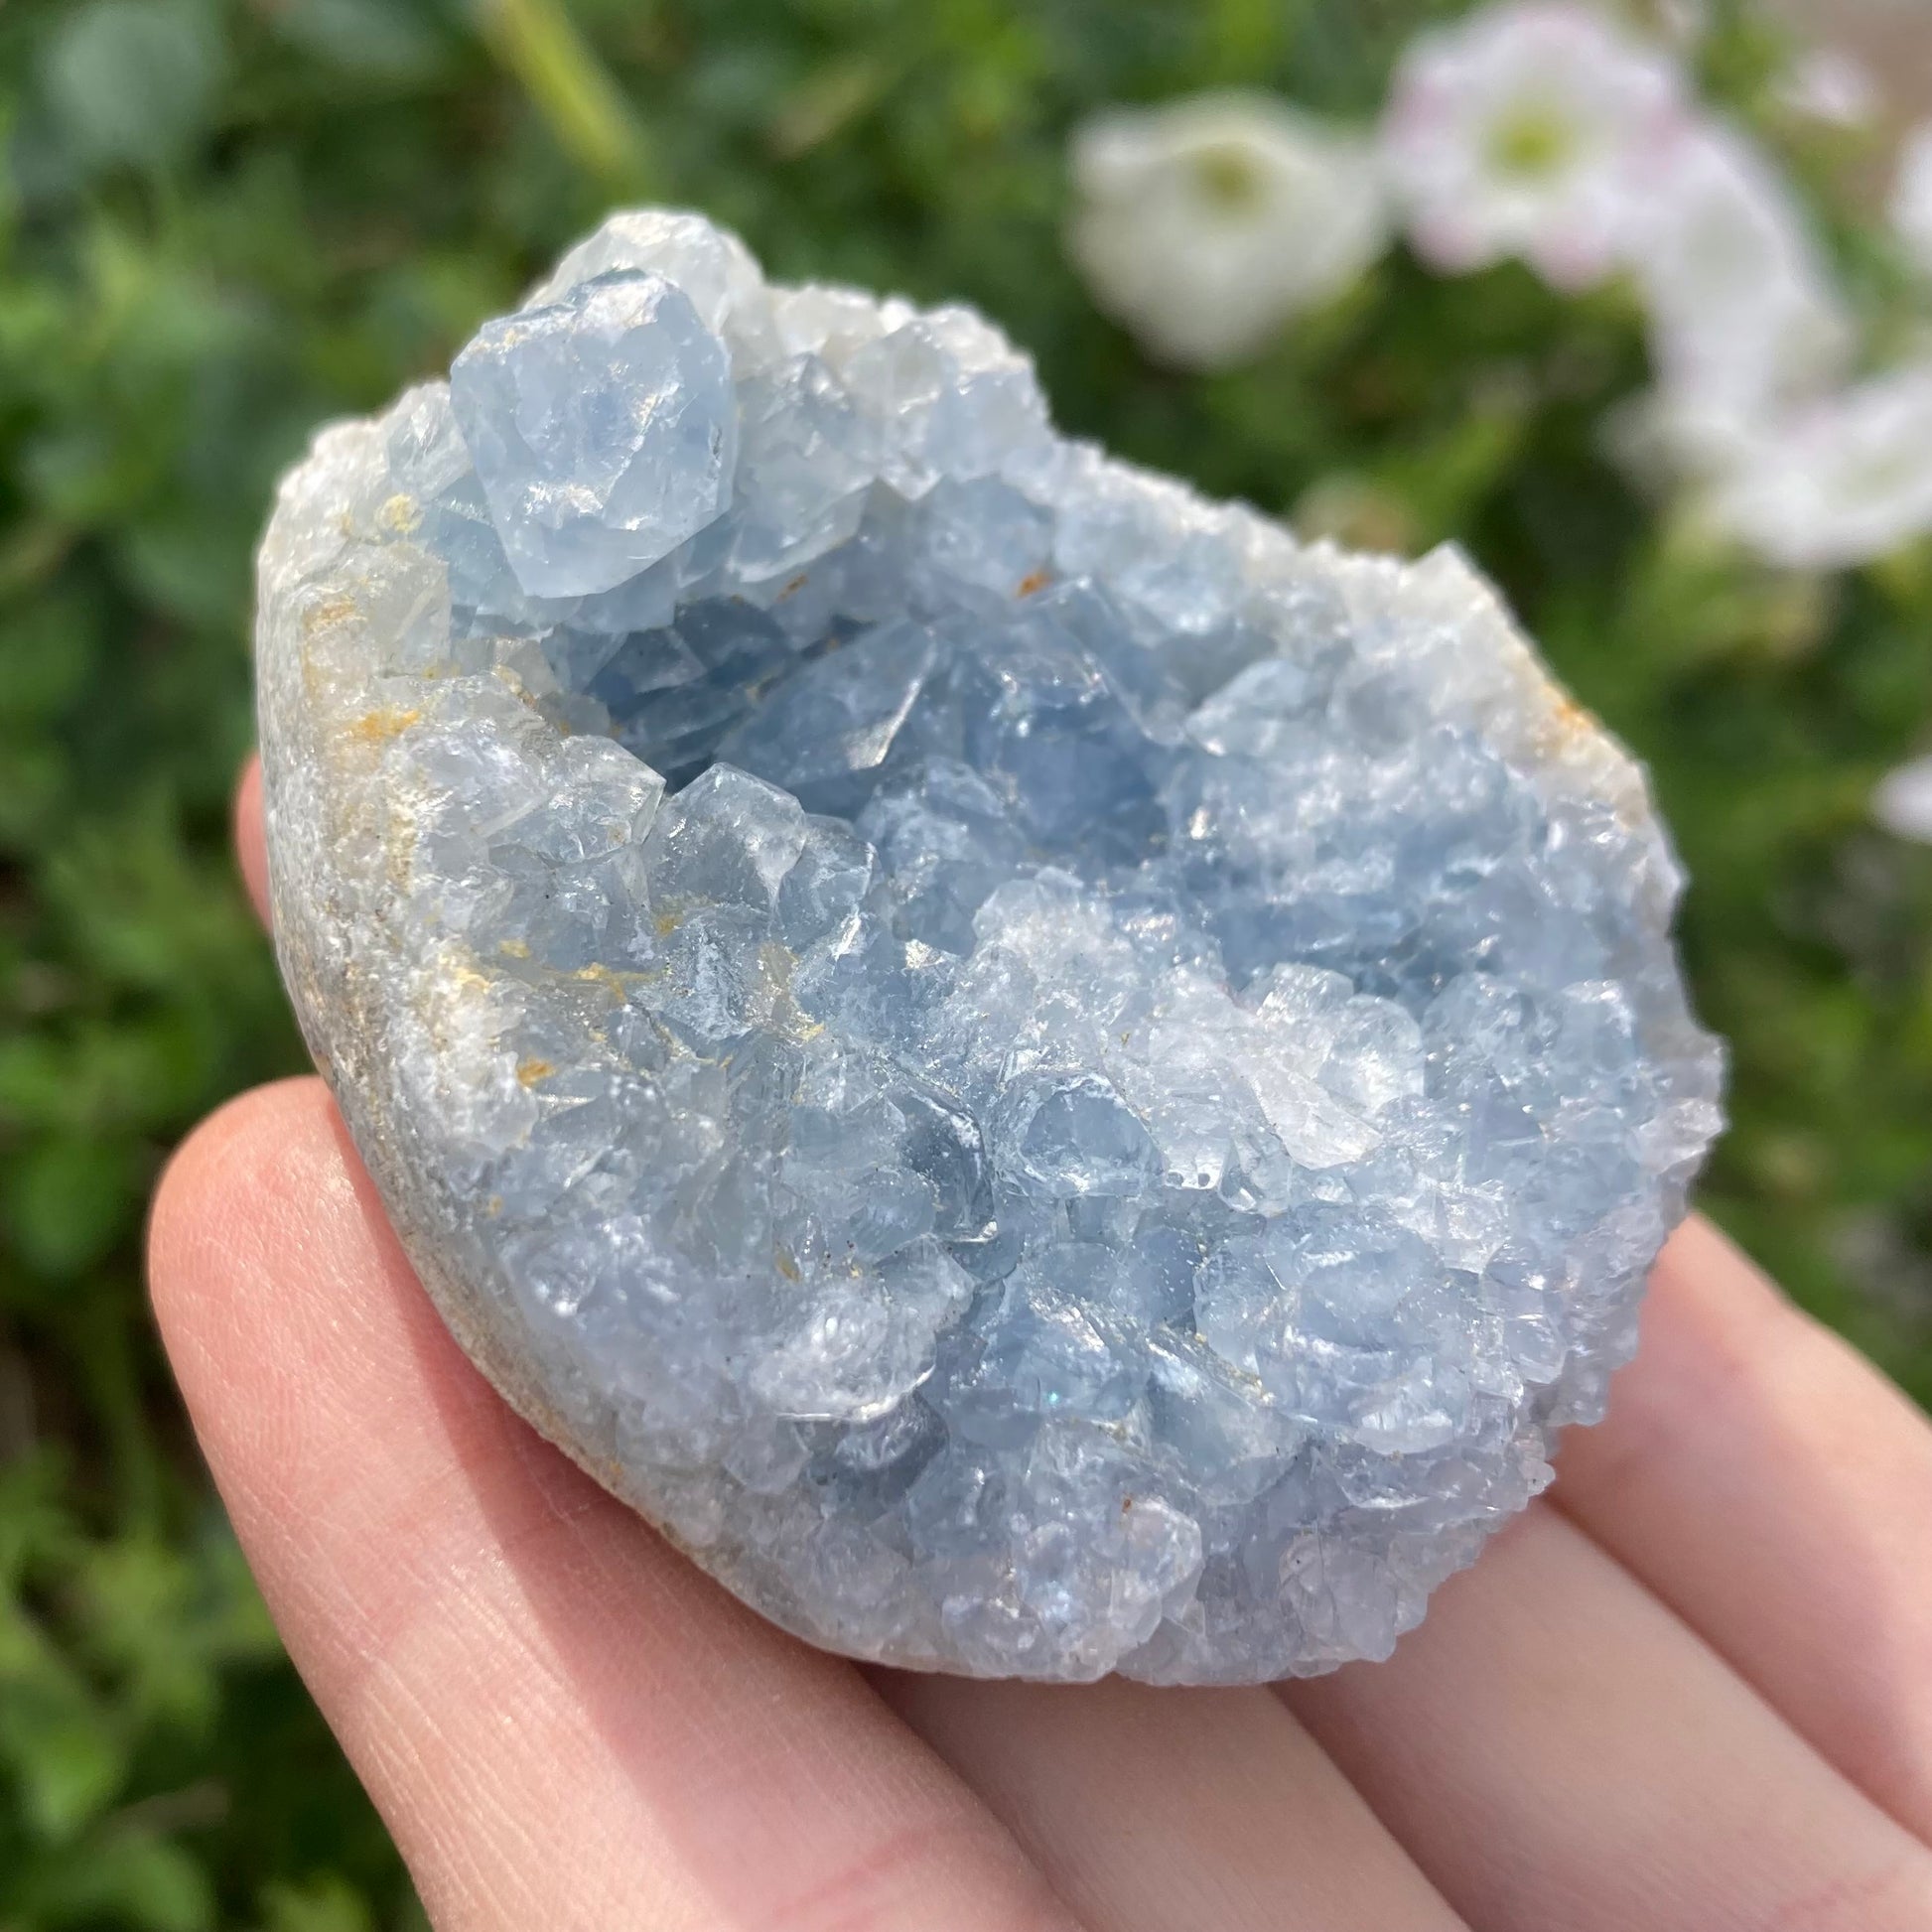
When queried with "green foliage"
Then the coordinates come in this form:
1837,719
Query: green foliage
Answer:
223,221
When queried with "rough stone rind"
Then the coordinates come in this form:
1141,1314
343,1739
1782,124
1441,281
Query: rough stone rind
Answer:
1028,1459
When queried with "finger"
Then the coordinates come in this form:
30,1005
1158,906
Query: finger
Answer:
1776,1491
1150,1810
1557,1750
250,839
564,1722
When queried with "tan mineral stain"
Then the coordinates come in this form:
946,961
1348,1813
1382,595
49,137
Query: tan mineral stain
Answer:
598,974
400,514
379,726
1569,719
327,613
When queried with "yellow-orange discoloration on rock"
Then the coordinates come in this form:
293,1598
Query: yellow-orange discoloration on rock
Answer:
327,613
1572,720
598,974
400,514
378,727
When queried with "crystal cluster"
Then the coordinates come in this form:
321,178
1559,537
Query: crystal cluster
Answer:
1046,1079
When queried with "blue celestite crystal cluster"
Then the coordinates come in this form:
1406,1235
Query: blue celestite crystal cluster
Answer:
1048,1079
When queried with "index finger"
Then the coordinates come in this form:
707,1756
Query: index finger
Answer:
251,836
562,1720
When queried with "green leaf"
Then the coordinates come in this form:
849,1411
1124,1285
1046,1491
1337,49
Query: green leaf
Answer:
132,1878
135,79
381,39
67,1201
67,1755
571,87
325,1905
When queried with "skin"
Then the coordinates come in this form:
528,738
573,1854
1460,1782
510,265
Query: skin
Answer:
1690,1689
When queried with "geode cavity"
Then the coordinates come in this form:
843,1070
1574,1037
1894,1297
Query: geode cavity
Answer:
1046,1079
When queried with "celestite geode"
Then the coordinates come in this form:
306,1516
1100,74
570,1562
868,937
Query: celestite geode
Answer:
1046,1079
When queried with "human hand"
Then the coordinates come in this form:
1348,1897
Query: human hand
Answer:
1692,1688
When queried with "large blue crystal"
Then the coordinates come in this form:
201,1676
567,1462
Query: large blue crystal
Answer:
1049,1080
603,430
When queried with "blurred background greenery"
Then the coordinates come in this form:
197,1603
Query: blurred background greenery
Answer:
223,221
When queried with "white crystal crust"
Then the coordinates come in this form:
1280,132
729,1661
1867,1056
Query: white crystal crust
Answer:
1049,1080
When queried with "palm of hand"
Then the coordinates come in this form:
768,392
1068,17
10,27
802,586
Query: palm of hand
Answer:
1692,1688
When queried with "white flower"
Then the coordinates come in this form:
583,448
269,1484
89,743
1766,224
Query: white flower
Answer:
1745,317
1911,197
1842,481
1684,23
1663,437
1677,23
1902,801
1204,225
1829,85
1519,132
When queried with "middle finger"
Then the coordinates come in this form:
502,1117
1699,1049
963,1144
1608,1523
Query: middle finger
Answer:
1153,1809
1556,1749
